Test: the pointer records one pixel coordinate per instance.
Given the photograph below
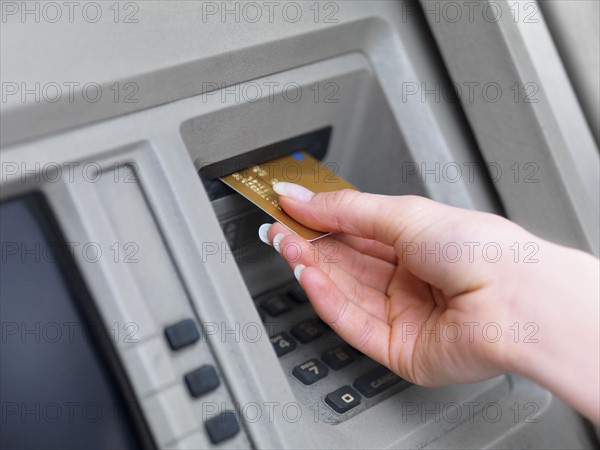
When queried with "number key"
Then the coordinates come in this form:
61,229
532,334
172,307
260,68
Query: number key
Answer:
343,399
339,356
283,344
310,372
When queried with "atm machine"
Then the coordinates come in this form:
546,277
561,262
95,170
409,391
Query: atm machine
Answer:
139,308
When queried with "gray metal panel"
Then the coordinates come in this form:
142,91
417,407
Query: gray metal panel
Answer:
544,132
200,50
575,28
203,50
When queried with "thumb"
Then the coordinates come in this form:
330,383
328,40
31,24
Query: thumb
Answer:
371,216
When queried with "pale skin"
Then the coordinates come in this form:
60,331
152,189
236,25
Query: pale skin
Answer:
406,281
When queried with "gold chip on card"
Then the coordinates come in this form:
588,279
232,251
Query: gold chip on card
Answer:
256,184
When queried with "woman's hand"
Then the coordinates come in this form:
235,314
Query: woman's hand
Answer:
443,295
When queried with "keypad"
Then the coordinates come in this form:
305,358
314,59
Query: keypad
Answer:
182,334
343,399
310,372
311,353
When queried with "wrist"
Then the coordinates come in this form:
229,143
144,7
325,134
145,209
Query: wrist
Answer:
535,308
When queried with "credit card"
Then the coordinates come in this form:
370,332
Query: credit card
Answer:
256,184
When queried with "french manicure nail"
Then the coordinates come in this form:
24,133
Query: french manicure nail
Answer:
298,271
294,191
262,232
277,241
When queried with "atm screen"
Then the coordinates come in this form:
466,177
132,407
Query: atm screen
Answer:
60,384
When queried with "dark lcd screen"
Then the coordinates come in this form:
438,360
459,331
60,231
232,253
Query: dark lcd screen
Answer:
60,385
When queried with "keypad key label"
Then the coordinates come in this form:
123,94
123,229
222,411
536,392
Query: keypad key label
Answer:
283,343
376,381
343,399
310,372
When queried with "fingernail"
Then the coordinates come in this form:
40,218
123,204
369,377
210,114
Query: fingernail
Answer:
262,232
277,240
298,270
294,191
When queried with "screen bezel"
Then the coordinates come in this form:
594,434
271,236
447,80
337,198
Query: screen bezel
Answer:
84,304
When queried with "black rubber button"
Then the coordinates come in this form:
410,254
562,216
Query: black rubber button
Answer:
182,333
275,306
222,427
308,331
202,380
339,357
310,372
343,399
283,343
376,381
298,295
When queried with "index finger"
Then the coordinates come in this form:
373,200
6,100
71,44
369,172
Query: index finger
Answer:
378,217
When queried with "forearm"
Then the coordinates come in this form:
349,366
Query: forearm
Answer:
562,300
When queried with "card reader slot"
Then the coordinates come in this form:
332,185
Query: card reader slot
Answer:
314,142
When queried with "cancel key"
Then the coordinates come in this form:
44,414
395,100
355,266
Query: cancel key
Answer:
376,381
